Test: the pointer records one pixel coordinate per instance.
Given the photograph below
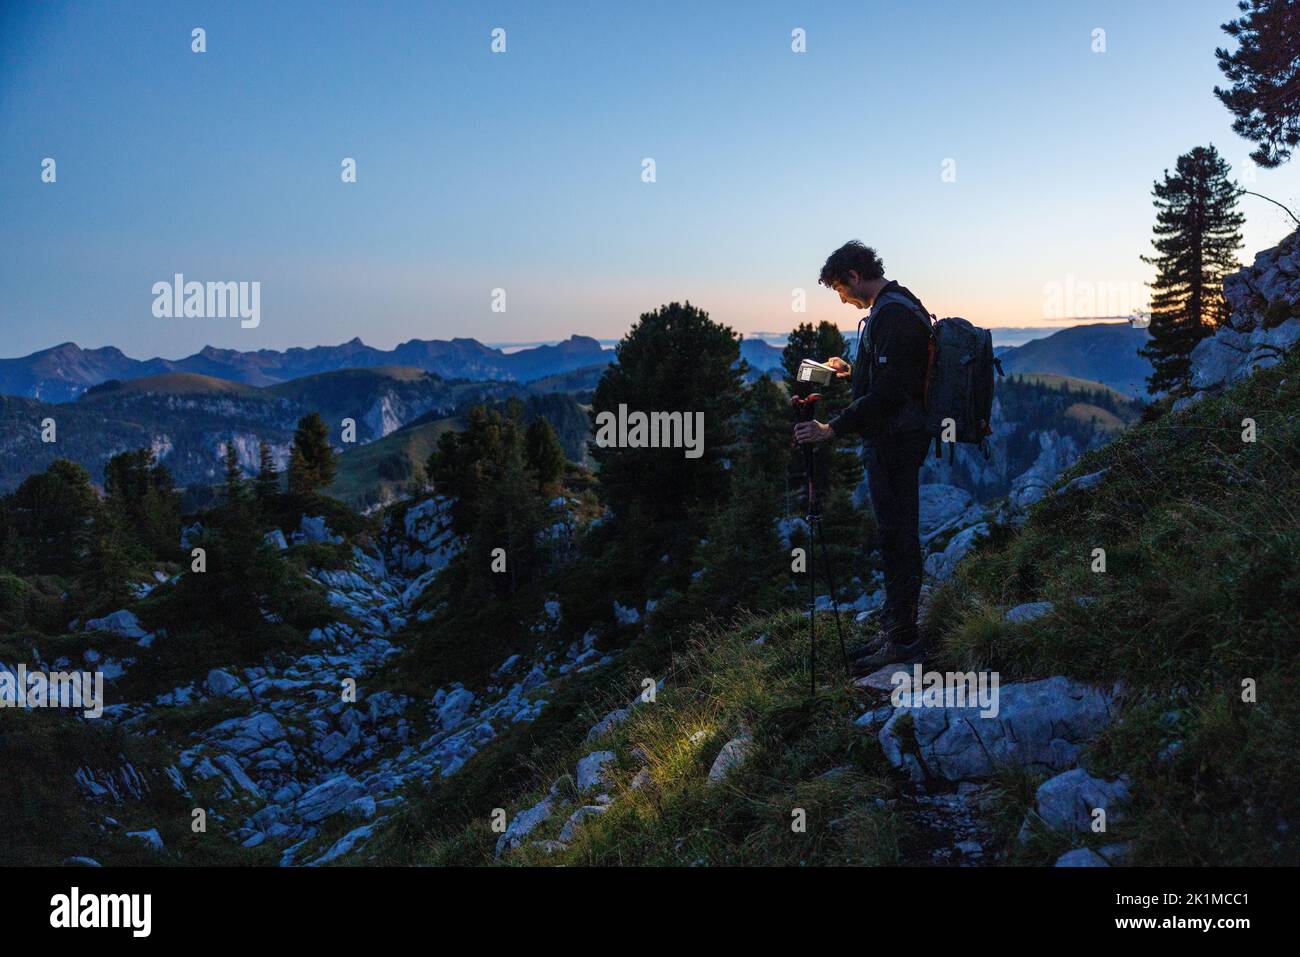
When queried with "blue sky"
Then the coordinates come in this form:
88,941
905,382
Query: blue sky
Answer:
522,170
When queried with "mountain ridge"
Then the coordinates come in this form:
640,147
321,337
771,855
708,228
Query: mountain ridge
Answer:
63,372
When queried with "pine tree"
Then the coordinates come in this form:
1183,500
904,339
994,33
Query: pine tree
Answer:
675,359
52,516
233,488
268,479
510,517
142,494
543,452
1197,235
107,576
1265,75
311,459
464,463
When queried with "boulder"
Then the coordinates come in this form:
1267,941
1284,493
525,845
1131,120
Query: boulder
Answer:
275,538
328,798
122,622
1040,725
313,530
534,679
940,504
221,684
235,772
1083,482
1029,611
570,829
1056,453
362,807
1066,802
344,844
941,564
590,772
1219,360
386,704
883,679
455,708
150,837
244,735
524,823
607,724
732,755
333,747
1081,857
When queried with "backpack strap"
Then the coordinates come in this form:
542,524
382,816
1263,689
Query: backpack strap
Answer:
916,308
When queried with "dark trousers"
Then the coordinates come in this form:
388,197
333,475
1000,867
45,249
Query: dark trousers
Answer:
893,467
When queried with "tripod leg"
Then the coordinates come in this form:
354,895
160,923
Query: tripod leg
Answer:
830,580
812,608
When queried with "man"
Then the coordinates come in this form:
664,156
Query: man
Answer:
887,413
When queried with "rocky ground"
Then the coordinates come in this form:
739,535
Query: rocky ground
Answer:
308,747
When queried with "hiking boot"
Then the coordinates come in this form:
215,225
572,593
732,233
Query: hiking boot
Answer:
890,653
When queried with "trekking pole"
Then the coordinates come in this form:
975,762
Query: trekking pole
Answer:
835,605
804,411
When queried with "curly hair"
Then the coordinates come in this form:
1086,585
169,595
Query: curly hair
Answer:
851,256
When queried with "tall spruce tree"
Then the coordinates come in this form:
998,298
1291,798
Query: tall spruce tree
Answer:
234,488
1265,72
268,479
311,459
1197,236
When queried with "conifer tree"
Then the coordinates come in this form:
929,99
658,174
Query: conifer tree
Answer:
543,452
674,359
1197,236
311,459
268,479
1265,73
233,487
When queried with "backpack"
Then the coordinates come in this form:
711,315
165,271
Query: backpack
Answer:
959,379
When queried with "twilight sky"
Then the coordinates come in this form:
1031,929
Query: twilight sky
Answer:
522,170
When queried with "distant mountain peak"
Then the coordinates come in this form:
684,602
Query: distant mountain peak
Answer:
63,372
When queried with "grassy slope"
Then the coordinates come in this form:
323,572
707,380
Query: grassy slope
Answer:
1202,589
358,468
1201,592
719,683
1054,381
175,383
1106,420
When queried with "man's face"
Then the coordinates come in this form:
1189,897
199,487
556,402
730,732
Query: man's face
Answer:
849,292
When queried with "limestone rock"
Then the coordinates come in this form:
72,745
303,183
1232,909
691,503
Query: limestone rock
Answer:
732,755
1042,725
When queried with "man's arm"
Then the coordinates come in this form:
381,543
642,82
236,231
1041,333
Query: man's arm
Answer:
900,342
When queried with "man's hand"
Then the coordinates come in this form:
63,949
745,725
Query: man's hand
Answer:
842,368
812,432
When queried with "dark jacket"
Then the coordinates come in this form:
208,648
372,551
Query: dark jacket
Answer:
888,373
